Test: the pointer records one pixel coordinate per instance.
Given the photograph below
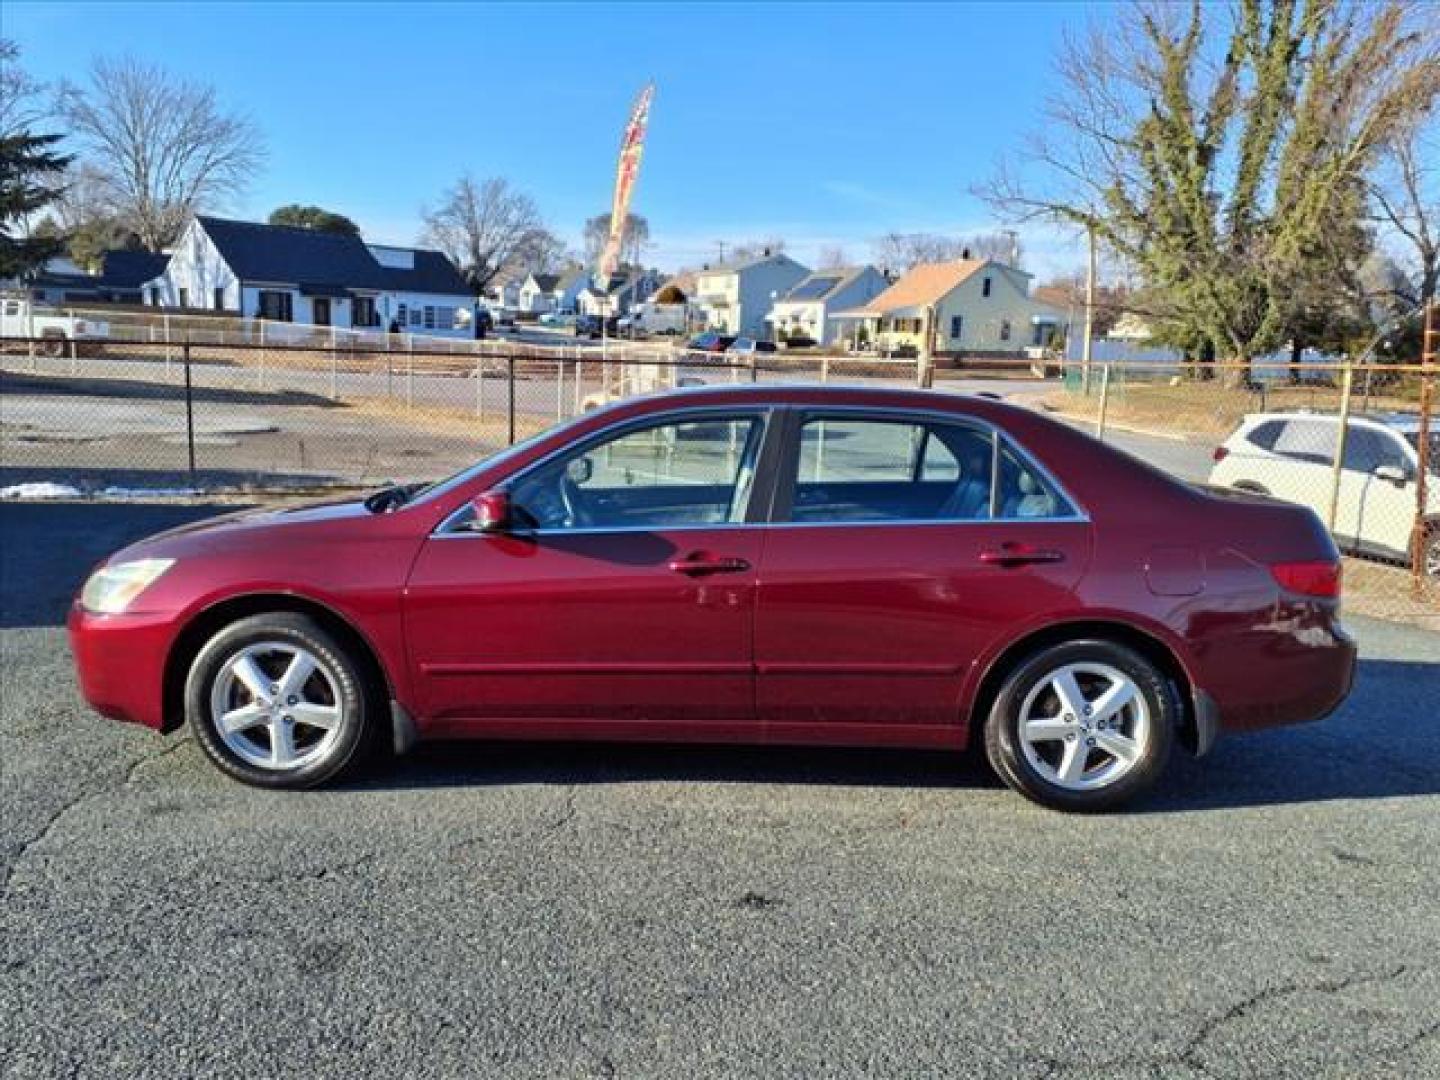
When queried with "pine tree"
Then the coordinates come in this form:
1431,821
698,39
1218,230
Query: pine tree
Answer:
29,172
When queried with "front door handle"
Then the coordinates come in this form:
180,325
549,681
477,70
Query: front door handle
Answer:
1013,554
700,563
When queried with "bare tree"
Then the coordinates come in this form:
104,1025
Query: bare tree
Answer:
487,228
22,104
901,251
1222,151
1406,193
164,146
832,258
632,241
756,249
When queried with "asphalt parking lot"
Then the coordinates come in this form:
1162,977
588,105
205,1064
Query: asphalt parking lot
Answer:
542,911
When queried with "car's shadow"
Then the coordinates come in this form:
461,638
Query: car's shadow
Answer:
1381,744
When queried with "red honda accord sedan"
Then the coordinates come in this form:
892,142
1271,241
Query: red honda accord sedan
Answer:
796,565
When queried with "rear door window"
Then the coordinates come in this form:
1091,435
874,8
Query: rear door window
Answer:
859,469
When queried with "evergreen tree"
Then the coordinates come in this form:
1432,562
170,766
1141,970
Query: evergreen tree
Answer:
30,169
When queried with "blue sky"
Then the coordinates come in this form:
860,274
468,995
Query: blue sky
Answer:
824,123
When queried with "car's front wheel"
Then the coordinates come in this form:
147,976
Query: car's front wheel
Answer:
275,701
1082,725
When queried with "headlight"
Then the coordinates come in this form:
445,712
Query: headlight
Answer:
111,588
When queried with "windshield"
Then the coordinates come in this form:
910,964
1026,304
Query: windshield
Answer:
1434,463
440,487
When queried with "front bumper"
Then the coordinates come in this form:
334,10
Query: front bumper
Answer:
120,660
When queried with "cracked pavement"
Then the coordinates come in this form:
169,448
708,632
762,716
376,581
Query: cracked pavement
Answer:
551,911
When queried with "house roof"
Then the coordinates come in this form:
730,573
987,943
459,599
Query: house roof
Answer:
308,258
742,264
571,276
921,285
677,288
822,284
130,269
546,282
433,273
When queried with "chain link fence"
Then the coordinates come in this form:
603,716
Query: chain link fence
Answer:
165,405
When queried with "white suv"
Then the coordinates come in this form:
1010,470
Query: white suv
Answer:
1292,457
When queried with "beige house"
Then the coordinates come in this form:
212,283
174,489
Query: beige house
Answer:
951,308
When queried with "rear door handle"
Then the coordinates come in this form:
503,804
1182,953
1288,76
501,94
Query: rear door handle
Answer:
700,563
1020,554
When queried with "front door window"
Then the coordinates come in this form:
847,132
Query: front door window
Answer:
681,473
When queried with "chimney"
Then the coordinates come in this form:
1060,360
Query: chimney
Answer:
965,254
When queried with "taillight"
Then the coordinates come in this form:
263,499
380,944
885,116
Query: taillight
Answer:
1221,452
1308,578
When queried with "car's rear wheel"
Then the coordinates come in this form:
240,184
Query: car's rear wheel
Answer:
1082,725
275,701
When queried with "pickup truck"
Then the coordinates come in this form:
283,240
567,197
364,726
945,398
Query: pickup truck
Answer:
22,319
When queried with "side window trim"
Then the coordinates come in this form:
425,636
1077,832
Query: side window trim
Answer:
760,494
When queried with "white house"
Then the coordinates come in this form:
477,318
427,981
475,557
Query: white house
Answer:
537,293
504,293
735,298
808,309
952,308
302,276
626,290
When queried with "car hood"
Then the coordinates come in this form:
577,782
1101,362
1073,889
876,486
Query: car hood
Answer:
242,527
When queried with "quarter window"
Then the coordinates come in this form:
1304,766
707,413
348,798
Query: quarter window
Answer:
692,472
1311,441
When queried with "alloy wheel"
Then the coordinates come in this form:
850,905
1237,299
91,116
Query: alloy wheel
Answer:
1084,726
276,706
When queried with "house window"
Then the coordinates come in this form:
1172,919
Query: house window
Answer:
154,296
1004,329
363,311
184,297
276,305
402,315
957,323
445,318
414,316
429,317
985,287
219,299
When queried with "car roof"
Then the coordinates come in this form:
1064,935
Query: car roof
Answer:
1396,420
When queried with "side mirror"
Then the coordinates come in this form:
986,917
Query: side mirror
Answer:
1392,473
493,512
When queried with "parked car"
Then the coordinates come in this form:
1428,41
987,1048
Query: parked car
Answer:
1292,457
937,570
710,342
557,318
588,326
749,347
22,319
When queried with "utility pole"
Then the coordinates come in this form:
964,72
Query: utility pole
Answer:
721,245
1089,309
1429,361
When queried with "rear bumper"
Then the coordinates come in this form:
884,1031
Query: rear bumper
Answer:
1287,674
120,660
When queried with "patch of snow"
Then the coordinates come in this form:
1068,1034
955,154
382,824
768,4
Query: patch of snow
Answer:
147,493
39,490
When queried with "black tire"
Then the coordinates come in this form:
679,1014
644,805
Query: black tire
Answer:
345,677
1003,743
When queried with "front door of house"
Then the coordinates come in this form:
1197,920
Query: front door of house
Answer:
321,306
